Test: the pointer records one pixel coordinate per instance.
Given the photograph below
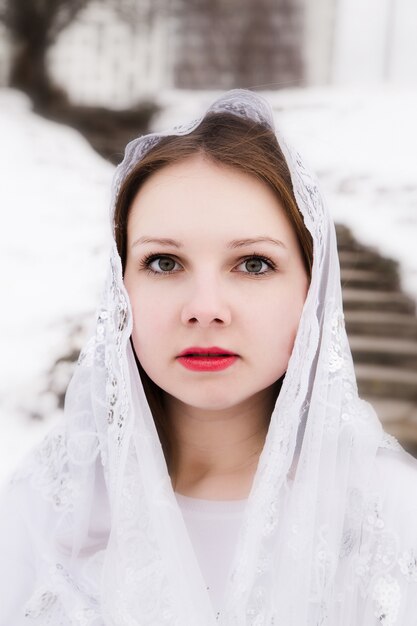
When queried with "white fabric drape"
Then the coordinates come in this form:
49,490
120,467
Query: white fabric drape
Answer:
91,532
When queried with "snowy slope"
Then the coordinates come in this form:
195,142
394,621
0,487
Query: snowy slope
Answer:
55,201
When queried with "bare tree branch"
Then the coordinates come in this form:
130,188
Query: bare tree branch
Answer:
34,26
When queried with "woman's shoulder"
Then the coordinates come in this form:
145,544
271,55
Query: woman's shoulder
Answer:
397,467
40,477
395,480
52,481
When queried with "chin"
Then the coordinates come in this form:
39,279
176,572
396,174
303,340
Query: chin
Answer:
210,400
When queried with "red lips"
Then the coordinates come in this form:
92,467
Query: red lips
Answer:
212,350
212,359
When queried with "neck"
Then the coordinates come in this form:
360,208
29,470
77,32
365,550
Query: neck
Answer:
217,451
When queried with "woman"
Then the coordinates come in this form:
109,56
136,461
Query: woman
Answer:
216,464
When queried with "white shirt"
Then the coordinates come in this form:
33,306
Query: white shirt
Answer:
213,527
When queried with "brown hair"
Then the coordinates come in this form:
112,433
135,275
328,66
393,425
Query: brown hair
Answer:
226,139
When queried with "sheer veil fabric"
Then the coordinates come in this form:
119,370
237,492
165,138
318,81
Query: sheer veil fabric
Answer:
329,531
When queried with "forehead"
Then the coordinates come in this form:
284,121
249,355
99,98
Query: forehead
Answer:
200,197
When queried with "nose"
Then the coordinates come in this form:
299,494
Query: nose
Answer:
205,303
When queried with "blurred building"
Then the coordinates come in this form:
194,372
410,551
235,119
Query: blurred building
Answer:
106,58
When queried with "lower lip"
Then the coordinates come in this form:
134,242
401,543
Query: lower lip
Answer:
207,363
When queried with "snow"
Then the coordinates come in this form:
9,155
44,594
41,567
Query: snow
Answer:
56,234
55,198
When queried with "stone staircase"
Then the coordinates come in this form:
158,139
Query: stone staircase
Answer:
381,323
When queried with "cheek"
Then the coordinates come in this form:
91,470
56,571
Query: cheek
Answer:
280,320
150,327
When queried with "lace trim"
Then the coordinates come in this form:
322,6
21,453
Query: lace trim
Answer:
389,442
50,602
47,470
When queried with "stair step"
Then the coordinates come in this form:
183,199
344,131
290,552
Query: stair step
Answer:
387,351
346,241
399,417
345,244
367,260
369,279
390,411
376,300
386,382
381,324
344,236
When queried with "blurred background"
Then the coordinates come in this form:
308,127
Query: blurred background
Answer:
80,78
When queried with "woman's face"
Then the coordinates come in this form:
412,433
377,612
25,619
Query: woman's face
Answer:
207,286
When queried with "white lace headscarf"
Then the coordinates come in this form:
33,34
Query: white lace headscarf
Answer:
313,547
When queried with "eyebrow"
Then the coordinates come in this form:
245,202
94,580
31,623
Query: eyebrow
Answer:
236,243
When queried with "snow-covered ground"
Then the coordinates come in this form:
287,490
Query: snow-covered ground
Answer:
55,235
55,231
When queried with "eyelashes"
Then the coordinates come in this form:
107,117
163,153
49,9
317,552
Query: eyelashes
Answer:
146,262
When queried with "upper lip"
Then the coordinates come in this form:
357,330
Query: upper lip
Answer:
209,350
